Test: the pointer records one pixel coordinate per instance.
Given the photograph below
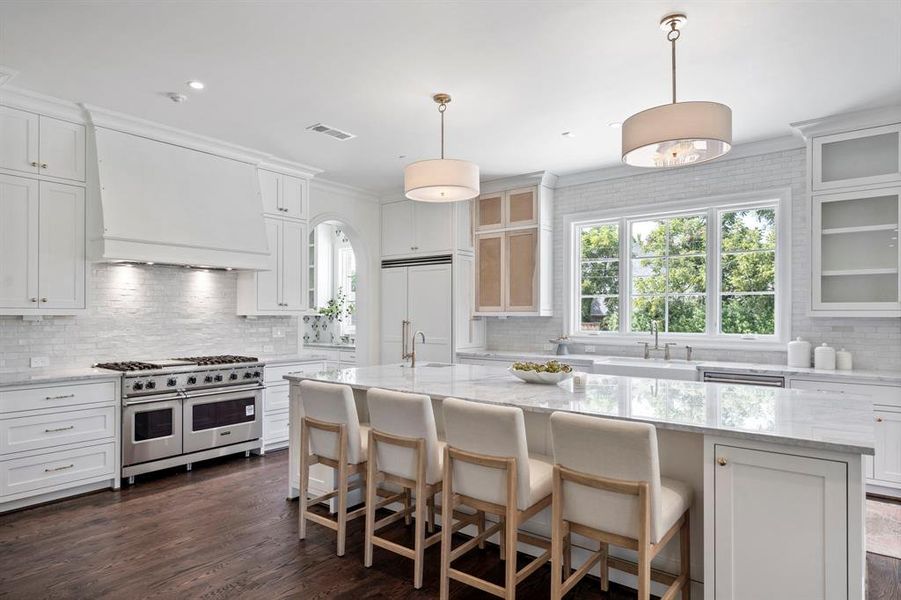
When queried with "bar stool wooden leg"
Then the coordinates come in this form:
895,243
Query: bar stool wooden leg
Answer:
558,572
371,486
431,515
419,543
408,502
447,520
304,482
510,525
685,558
567,552
480,527
644,548
342,489
501,541
605,570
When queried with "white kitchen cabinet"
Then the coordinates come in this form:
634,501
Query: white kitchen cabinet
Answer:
41,145
857,158
276,400
781,526
855,252
42,237
58,440
469,331
280,290
884,469
423,228
283,195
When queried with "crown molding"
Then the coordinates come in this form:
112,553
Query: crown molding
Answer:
16,97
334,187
768,146
859,119
545,178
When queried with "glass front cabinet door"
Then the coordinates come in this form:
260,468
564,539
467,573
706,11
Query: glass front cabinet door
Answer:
857,158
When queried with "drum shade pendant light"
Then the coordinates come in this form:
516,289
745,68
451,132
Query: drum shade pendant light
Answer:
677,134
441,179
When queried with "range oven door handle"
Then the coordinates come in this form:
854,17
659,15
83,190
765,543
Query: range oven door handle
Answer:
221,391
152,399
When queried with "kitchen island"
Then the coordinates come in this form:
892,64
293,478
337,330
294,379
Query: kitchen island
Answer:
776,473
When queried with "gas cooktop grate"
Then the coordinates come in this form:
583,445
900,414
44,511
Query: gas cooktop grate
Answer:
128,365
224,359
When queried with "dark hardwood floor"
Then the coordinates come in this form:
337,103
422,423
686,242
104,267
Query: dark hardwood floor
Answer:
224,530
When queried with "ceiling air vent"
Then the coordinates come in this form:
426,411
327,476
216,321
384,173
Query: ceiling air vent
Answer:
330,131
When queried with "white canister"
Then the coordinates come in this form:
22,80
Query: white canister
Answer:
843,360
799,353
824,357
580,380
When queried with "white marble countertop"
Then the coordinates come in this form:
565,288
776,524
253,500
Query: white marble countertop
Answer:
869,376
837,422
292,358
22,377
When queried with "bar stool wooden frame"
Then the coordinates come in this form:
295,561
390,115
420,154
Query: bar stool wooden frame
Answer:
344,470
423,511
563,581
508,527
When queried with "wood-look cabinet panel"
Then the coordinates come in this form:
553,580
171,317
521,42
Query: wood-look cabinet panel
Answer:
522,207
489,211
522,267
490,282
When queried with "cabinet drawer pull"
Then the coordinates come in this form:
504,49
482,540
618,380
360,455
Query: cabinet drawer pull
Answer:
721,461
879,419
63,468
59,429
34,163
59,397
43,165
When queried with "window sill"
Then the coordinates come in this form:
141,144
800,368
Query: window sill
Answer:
701,342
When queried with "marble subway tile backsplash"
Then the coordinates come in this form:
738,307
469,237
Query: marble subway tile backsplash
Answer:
874,342
147,312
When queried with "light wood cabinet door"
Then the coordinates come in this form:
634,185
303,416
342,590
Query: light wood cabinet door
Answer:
887,462
293,268
490,261
489,212
781,524
522,207
61,253
268,292
19,140
294,197
62,149
19,208
270,192
522,271
397,228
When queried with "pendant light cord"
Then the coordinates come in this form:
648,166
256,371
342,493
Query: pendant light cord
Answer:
672,35
441,108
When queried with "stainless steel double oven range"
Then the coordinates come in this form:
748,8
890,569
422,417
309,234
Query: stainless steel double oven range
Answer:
179,411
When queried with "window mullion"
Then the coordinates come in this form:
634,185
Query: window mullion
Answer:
625,277
713,272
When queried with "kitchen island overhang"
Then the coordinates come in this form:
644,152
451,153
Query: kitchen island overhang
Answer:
787,464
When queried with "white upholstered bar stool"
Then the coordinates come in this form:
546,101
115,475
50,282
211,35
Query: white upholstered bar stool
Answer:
331,435
487,467
403,450
607,487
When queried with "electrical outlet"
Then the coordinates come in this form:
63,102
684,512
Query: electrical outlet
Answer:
40,361
590,349
278,332
549,347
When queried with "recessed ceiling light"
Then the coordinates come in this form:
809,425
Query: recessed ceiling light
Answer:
615,124
228,268
196,85
149,262
568,134
401,156
176,97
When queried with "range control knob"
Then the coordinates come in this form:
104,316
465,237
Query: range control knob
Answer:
137,386
248,375
256,374
208,379
233,376
192,380
171,382
151,385
218,377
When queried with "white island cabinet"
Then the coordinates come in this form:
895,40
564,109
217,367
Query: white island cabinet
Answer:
776,474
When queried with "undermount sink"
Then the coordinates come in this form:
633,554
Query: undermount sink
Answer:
646,367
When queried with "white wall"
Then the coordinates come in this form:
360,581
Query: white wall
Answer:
361,215
147,312
875,343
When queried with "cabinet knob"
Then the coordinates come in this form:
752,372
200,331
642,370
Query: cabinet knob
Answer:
43,299
43,165
721,461
34,163
879,419
34,299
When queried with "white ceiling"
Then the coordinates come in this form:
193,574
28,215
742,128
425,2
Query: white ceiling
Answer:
520,72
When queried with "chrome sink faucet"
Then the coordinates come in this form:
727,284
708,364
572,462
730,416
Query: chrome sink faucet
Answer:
647,347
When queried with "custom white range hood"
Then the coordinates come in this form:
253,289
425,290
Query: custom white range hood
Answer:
170,197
